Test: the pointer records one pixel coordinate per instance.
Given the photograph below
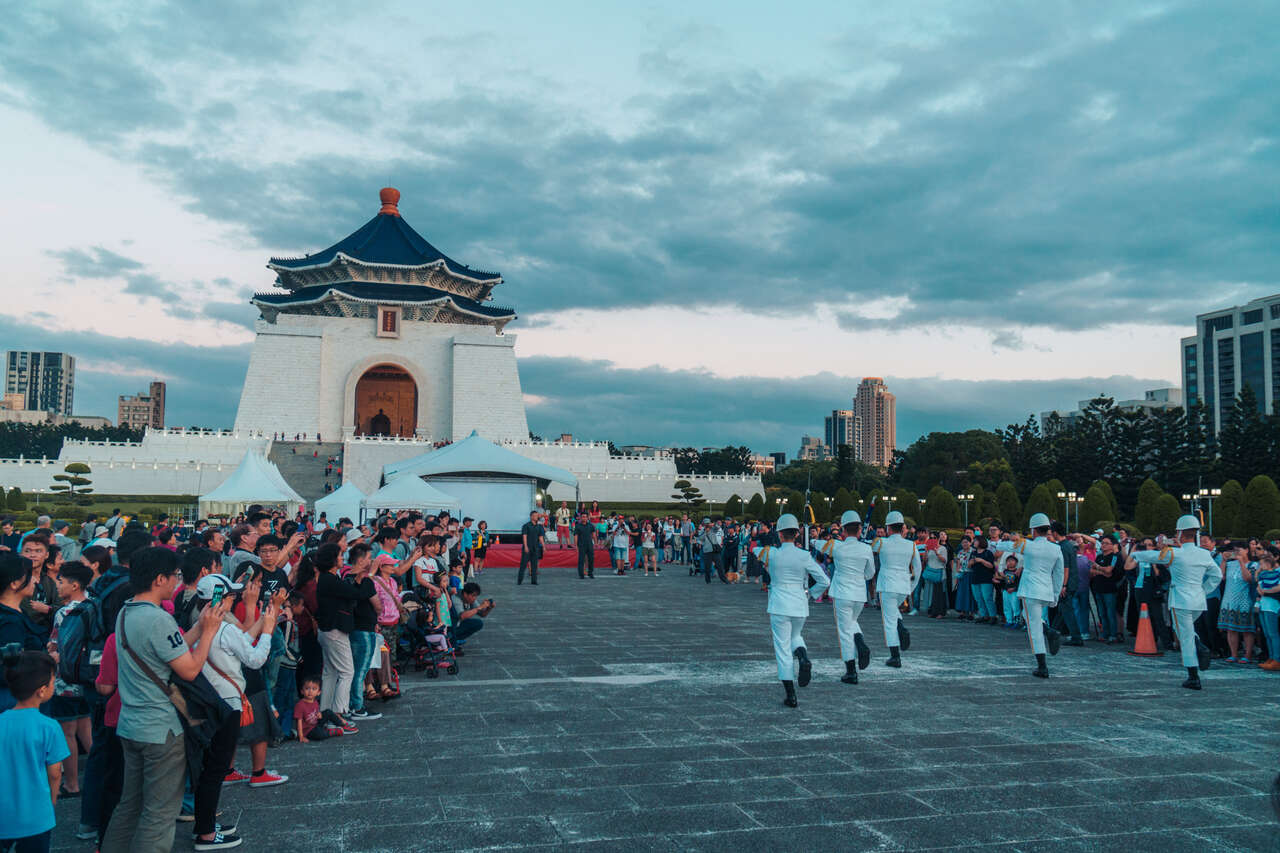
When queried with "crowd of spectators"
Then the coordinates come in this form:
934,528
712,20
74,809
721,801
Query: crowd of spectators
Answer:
165,656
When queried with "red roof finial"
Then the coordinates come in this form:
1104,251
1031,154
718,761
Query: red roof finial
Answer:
390,197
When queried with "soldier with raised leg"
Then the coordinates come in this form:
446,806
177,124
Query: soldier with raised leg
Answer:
789,603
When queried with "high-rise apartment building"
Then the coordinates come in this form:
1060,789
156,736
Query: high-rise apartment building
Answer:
143,410
876,409
843,426
812,448
45,379
1232,348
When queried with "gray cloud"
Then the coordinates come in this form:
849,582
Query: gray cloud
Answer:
1085,162
595,400
94,262
236,313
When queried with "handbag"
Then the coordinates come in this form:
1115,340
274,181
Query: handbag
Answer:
201,711
246,709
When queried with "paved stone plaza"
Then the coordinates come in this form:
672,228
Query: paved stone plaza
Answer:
643,714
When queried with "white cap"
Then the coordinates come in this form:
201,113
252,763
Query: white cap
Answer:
353,534
894,517
787,521
1187,522
104,542
210,584
100,531
1038,520
850,517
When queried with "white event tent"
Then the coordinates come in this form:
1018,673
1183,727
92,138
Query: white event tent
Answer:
344,502
493,483
255,481
411,493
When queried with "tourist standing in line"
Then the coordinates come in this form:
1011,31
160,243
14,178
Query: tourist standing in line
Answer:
898,576
686,541
1192,573
853,565
788,604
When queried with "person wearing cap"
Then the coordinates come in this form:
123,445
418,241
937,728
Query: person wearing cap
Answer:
1193,573
709,543
898,576
1040,585
854,564
788,606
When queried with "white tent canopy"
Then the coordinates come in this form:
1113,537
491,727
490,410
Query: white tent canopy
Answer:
476,455
255,481
345,501
411,493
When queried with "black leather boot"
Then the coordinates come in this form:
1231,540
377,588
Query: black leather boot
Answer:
904,636
1193,679
1041,670
1053,640
864,652
806,667
850,672
790,700
895,659
1204,656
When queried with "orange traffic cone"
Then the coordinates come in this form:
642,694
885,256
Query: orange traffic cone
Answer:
1145,644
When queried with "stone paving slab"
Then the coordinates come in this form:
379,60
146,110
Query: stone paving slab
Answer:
643,714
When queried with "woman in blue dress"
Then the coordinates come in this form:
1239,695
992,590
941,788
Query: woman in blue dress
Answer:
1236,615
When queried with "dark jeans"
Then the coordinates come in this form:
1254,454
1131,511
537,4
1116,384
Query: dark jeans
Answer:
466,628
709,561
94,763
285,697
529,559
1207,627
1155,612
938,600
586,559
112,778
217,761
29,844
1066,614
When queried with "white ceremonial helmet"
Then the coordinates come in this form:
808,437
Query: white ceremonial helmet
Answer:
1038,520
787,521
850,517
1187,522
894,517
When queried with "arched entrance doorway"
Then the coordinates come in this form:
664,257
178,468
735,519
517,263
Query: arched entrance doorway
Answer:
386,402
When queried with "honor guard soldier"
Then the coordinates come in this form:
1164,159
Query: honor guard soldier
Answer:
788,603
899,574
1039,587
853,565
1192,573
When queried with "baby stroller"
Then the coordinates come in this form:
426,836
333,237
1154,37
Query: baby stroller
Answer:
429,646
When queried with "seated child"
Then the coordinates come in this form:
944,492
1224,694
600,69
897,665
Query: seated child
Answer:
312,723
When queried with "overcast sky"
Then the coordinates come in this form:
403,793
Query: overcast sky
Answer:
713,218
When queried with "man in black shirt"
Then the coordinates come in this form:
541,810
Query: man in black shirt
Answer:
584,535
530,549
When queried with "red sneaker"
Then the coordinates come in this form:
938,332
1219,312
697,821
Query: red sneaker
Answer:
235,776
266,779
349,728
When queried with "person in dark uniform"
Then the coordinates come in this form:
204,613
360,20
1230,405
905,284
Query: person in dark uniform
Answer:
584,535
530,549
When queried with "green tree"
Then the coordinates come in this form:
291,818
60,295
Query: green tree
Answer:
1260,511
73,478
842,503
1144,510
941,510
1009,503
795,506
733,506
1096,508
1111,498
954,460
1054,486
1165,513
688,494
821,508
755,507
989,507
1246,440
1226,509
4,499
1040,500
16,500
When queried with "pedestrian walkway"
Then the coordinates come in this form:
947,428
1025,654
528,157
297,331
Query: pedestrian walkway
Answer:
641,713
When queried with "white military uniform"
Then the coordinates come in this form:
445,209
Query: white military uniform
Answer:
1040,584
1192,575
787,566
899,574
854,565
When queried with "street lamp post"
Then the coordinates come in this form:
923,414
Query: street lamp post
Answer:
1066,507
1071,496
780,502
964,499
1210,495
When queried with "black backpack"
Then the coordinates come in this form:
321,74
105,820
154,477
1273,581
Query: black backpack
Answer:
85,628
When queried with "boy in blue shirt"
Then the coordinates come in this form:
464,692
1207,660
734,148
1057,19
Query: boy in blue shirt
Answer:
32,749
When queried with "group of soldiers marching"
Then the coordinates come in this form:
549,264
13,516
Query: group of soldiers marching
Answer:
797,577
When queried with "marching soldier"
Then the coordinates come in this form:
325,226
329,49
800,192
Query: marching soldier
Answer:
788,604
1041,584
899,574
1193,573
853,565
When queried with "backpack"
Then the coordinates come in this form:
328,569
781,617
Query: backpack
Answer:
85,628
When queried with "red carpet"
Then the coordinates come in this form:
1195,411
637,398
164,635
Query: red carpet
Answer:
507,556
